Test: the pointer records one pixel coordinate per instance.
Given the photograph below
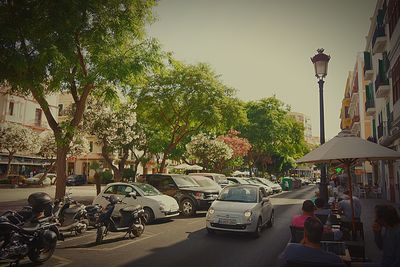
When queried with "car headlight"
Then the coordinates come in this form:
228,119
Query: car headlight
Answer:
198,195
162,206
247,213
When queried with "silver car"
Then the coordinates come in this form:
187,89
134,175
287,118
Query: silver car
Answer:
240,208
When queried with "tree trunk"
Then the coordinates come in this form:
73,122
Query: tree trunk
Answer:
61,171
46,172
10,158
97,180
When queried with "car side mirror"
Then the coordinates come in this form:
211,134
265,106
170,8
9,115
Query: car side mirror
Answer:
132,194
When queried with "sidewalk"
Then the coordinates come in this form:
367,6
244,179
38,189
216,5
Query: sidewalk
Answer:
368,217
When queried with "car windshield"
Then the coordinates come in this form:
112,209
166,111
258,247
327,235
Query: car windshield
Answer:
239,194
185,181
205,182
148,190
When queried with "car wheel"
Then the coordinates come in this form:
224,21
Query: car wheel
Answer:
257,231
210,231
149,215
271,220
187,207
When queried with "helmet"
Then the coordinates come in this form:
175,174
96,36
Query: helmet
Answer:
39,201
113,199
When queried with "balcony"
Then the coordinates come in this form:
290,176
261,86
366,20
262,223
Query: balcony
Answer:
355,124
370,107
368,71
379,40
382,88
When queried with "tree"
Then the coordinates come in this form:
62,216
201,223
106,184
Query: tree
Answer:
97,179
275,137
75,47
48,149
116,130
210,152
15,138
182,100
240,147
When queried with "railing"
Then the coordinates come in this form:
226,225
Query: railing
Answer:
379,32
380,81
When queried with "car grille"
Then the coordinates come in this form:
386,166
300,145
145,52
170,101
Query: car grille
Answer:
226,226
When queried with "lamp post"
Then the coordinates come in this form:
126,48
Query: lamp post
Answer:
320,62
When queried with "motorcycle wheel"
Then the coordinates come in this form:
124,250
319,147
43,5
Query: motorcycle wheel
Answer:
137,232
100,234
40,255
82,230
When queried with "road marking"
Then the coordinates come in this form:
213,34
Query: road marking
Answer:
119,246
78,237
63,261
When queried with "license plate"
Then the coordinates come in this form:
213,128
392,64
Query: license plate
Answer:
227,221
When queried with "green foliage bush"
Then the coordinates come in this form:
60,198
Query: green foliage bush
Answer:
106,177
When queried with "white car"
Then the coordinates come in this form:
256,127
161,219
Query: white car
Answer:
240,208
49,180
155,204
276,188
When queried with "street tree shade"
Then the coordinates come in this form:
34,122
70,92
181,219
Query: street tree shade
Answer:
348,150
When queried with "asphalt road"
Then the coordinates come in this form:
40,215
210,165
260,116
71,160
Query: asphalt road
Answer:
185,242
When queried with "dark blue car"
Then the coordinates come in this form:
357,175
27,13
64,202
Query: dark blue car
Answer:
76,179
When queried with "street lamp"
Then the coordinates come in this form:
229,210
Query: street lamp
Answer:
320,62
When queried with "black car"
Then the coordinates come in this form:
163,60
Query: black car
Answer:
76,180
188,193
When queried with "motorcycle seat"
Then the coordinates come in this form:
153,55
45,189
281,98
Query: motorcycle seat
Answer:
31,227
72,210
131,208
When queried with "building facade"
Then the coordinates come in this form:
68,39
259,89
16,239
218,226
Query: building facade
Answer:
24,110
306,122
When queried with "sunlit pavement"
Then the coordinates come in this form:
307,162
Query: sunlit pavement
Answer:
184,242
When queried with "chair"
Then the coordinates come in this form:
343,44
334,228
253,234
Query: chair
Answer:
362,192
297,234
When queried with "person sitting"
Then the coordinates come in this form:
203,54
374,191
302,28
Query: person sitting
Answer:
345,207
308,211
323,214
309,250
387,234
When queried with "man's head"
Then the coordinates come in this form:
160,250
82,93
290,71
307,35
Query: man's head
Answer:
313,229
320,203
308,207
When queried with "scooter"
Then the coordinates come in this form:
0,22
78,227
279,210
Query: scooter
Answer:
71,215
93,212
131,220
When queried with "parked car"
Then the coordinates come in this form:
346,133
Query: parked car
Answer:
14,179
49,180
76,179
217,177
276,188
189,194
155,204
267,188
206,182
238,180
240,208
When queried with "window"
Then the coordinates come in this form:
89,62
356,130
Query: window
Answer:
38,117
11,108
393,15
91,146
119,190
396,80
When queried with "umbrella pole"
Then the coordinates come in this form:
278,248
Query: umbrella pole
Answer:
353,222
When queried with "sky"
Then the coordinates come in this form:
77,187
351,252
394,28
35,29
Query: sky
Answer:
263,47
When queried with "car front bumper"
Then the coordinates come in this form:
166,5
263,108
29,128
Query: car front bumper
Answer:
204,204
239,227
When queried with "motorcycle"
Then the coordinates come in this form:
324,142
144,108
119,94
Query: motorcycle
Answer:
71,215
36,238
93,212
131,220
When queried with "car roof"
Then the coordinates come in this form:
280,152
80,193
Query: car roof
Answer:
242,185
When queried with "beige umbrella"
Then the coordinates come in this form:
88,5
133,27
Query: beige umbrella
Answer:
348,149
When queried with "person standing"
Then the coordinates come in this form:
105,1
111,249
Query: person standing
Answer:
345,207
